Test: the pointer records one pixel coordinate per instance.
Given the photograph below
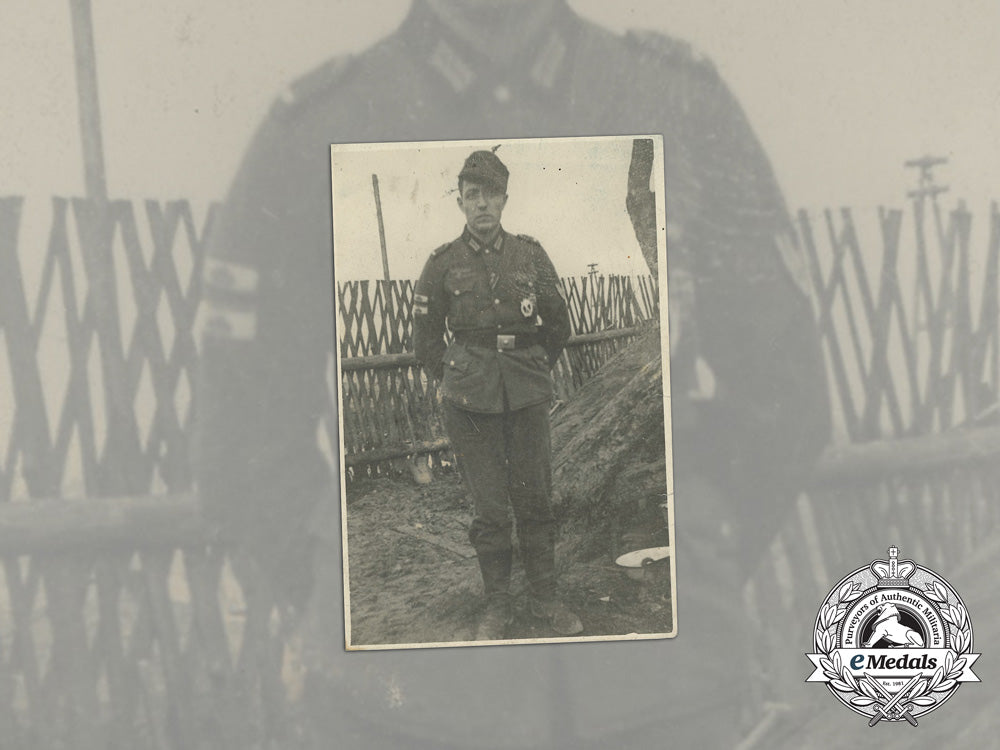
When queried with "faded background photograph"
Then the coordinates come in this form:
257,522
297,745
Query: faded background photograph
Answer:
411,545
169,530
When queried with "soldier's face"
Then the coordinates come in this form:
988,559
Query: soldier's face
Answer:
482,205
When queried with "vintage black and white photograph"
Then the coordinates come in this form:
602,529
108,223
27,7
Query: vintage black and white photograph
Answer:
500,310
171,547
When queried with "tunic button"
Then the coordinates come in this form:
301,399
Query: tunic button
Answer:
499,326
452,363
496,302
501,93
487,251
456,292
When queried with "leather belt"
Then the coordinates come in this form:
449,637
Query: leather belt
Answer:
499,341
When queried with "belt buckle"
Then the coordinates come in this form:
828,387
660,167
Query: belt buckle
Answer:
505,341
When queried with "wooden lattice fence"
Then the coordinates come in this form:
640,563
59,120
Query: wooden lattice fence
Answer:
116,627
389,406
120,623
907,364
914,380
375,317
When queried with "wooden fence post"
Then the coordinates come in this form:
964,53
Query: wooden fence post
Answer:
31,439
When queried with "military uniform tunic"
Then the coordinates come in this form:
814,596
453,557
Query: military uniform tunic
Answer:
262,387
507,289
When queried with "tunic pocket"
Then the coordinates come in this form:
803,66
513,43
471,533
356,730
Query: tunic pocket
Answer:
539,355
456,359
463,301
471,379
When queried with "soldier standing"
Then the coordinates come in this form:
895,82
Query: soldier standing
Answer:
499,295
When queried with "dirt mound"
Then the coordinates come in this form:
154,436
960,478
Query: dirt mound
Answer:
609,469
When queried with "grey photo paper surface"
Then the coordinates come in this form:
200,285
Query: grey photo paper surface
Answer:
521,354
170,460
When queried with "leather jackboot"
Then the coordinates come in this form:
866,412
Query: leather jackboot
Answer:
495,568
538,554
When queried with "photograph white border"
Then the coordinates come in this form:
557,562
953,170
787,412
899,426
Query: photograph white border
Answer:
658,186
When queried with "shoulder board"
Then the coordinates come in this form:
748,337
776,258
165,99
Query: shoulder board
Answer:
668,48
528,238
441,249
316,82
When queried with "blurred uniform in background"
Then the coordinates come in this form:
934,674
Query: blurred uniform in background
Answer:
474,69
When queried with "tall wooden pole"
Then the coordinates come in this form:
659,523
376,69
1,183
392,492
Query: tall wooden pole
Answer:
381,227
95,226
88,100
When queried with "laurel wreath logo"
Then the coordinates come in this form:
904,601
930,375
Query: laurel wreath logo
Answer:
927,692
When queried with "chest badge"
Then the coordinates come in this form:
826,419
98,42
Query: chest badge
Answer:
528,305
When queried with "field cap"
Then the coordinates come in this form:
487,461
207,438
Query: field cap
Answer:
485,168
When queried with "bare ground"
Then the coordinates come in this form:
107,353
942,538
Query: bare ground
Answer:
411,590
413,576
